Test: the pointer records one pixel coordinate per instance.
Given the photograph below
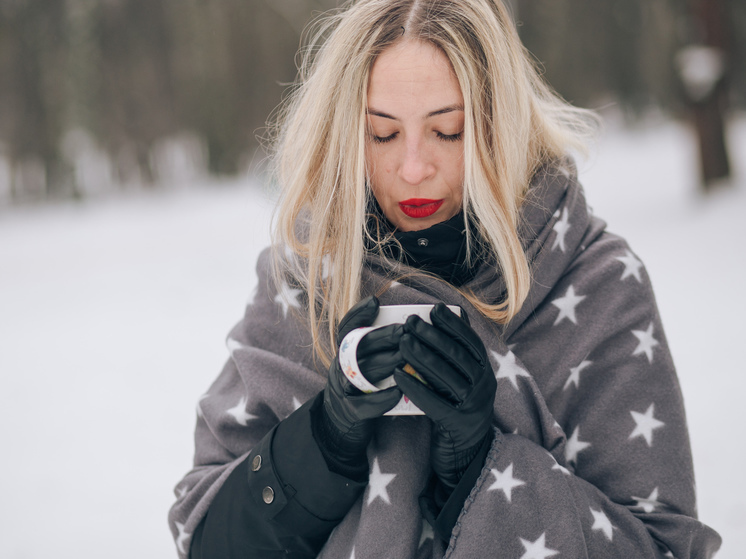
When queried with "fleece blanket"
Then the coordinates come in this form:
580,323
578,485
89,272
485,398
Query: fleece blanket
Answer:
590,456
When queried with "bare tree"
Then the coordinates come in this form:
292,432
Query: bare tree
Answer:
704,66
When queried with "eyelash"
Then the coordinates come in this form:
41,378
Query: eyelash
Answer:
451,138
441,136
380,140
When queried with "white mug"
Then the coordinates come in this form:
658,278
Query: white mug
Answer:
387,314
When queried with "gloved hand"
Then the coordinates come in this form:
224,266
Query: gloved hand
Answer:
346,425
460,391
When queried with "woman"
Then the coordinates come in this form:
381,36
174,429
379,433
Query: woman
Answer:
422,160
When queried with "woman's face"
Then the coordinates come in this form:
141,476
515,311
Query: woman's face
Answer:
414,146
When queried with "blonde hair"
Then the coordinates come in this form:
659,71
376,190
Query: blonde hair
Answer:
513,123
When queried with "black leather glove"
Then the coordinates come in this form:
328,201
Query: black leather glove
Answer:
460,391
345,426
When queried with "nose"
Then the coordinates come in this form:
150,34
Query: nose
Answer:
416,165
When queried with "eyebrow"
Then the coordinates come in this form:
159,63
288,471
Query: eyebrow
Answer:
444,110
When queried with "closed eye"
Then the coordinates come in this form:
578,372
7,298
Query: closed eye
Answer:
440,136
449,137
384,139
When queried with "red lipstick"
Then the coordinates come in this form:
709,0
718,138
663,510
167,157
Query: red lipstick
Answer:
420,207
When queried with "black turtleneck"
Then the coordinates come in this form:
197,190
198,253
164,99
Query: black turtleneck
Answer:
440,249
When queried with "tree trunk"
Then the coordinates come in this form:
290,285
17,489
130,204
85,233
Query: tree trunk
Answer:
708,108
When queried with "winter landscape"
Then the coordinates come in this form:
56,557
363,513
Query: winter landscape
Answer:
113,314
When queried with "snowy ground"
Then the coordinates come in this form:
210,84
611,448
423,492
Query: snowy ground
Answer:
113,314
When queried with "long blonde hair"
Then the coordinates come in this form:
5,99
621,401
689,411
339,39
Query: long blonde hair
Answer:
513,123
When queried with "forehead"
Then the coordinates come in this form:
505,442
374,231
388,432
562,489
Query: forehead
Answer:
412,76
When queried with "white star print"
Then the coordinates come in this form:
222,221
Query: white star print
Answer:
632,266
556,465
426,534
326,267
574,446
561,228
562,469
296,403
252,297
352,555
239,412
505,482
508,368
602,522
537,549
199,405
180,492
647,342
377,484
182,537
394,285
233,345
287,297
650,503
574,377
567,305
289,254
646,424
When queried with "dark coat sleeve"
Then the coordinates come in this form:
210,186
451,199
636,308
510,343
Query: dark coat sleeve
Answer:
280,501
442,508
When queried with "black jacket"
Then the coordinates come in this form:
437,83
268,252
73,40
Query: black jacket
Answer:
257,513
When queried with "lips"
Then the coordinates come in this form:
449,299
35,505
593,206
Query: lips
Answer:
420,207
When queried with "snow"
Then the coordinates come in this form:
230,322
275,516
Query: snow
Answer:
114,312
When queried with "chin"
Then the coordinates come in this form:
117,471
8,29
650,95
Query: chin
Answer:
409,225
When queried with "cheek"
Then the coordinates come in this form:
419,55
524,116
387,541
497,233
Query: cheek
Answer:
382,165
381,171
381,189
455,172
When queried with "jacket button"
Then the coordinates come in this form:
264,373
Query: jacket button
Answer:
268,495
256,463
423,242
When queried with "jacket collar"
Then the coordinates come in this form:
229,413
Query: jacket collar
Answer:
440,249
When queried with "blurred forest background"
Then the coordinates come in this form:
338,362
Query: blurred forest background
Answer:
102,95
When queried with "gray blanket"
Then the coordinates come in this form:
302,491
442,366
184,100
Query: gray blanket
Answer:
591,456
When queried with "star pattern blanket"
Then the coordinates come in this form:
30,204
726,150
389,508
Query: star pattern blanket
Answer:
590,457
